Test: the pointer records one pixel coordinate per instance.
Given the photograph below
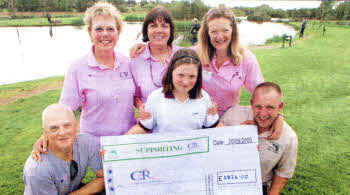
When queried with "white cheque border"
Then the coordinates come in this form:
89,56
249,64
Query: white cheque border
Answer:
115,148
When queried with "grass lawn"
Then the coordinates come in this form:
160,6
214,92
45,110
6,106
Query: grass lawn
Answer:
314,75
74,21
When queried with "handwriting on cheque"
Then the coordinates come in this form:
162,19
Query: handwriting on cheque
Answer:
233,141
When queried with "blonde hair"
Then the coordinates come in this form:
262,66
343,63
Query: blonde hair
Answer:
102,9
206,49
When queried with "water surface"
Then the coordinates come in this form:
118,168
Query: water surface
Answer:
29,53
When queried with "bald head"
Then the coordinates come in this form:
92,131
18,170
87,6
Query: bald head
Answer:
267,87
60,128
54,110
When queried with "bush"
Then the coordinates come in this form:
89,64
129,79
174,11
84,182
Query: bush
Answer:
341,22
183,25
275,39
258,18
134,17
77,22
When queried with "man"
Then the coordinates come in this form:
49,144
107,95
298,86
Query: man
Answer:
63,168
277,157
194,31
303,26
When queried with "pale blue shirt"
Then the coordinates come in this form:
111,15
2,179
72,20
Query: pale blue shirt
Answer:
52,174
171,115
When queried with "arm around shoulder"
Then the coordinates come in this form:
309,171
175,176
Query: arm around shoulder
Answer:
277,185
253,71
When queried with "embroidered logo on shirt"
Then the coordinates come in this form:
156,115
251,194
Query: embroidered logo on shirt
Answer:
195,114
124,75
275,147
236,75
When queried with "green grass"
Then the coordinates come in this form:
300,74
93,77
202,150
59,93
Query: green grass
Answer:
17,89
73,21
314,75
134,17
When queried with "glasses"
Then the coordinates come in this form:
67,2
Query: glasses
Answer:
108,29
73,170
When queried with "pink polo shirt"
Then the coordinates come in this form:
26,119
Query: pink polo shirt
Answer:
148,72
224,84
106,95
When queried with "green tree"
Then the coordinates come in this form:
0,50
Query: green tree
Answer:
325,8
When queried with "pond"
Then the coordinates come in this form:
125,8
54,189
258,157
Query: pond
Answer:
30,53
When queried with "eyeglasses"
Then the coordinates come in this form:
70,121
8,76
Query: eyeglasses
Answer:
73,170
108,29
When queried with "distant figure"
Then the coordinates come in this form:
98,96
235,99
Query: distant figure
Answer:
303,26
194,30
49,18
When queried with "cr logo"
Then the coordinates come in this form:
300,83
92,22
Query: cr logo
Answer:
140,175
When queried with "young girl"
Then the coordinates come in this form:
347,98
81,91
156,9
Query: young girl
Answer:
180,104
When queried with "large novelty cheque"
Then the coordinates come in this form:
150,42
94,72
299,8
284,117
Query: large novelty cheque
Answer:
200,162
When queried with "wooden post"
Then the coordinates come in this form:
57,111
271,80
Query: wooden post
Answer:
324,30
290,41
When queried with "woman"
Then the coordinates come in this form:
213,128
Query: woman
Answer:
148,68
226,65
180,104
100,82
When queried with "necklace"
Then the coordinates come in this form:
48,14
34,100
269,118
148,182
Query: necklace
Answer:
163,57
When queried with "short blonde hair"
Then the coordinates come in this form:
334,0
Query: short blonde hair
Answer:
102,9
206,49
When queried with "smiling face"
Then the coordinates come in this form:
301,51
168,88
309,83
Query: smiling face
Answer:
220,33
103,33
184,78
60,128
158,32
266,105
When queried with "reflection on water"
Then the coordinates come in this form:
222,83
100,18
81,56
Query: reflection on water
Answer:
51,33
30,53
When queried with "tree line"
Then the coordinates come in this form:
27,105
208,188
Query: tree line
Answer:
186,9
324,11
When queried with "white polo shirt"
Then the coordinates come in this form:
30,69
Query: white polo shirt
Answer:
171,115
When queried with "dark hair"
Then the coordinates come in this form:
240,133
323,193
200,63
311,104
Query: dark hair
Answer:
162,13
268,85
183,56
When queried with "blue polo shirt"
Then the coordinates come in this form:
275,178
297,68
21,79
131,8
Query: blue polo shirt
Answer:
52,174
